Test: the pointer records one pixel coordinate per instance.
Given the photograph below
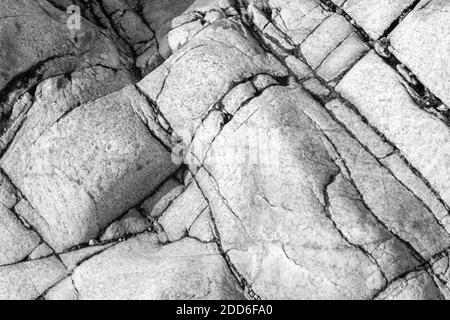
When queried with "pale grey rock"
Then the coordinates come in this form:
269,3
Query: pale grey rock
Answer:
225,4
142,269
271,249
297,19
238,96
132,223
271,242
314,86
321,43
186,86
29,280
401,170
299,68
204,135
262,81
8,196
18,114
203,228
149,58
17,242
342,58
360,129
417,285
421,42
128,23
74,258
59,95
361,228
41,251
164,16
421,137
64,290
178,37
213,15
277,38
375,16
180,216
394,205
75,197
162,198
254,188
46,44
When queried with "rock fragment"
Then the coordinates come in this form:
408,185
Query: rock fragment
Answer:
29,280
17,242
141,269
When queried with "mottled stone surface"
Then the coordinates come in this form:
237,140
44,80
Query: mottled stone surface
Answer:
184,211
29,280
132,223
203,149
422,42
377,92
17,241
43,46
76,197
375,16
141,269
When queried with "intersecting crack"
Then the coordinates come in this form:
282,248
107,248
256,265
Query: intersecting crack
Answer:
126,191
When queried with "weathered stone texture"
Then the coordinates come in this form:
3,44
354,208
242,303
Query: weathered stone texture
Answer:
199,149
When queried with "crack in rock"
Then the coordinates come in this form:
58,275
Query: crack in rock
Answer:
314,139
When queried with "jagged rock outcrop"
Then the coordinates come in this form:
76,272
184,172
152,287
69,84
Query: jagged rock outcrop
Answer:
204,149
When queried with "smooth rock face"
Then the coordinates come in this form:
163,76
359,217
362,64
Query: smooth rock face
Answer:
17,242
375,16
132,223
174,19
29,280
185,87
376,91
237,191
422,42
257,188
203,149
181,215
141,269
416,286
76,197
157,204
43,46
64,290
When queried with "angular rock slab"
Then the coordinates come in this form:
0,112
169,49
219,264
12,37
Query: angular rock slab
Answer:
89,167
417,285
326,241
327,42
285,246
422,43
193,80
16,241
142,269
375,16
182,213
34,34
29,280
377,92
297,19
175,20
